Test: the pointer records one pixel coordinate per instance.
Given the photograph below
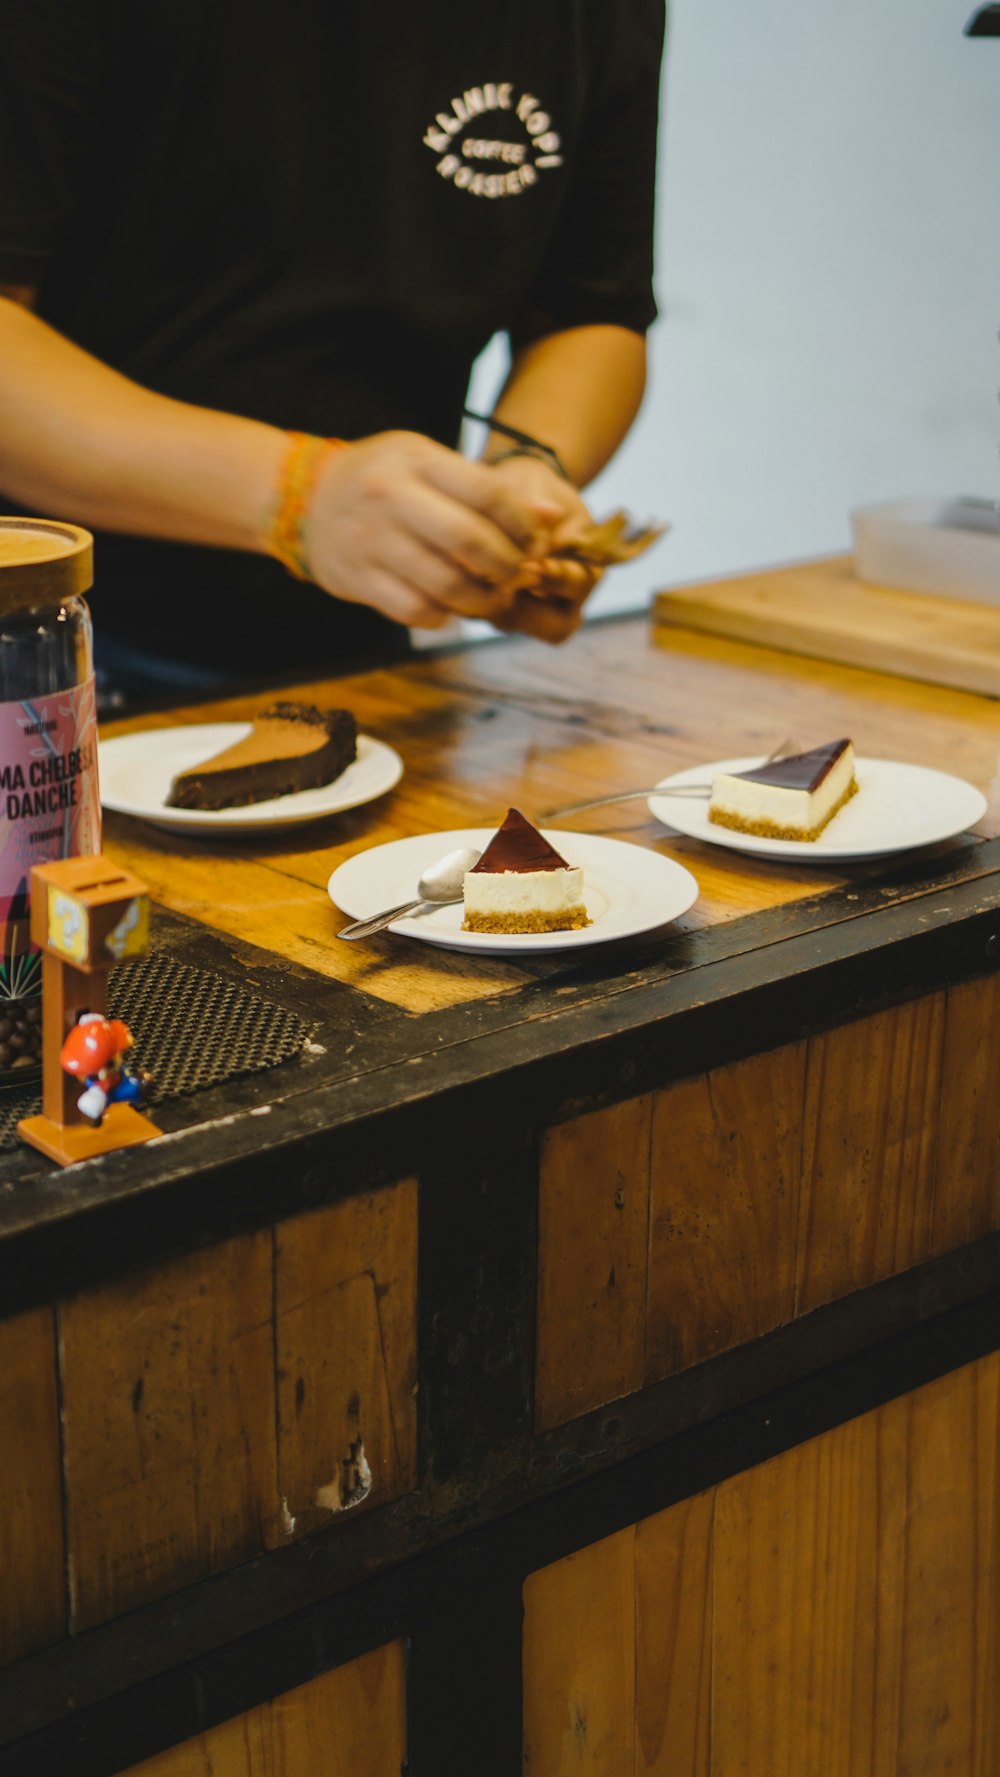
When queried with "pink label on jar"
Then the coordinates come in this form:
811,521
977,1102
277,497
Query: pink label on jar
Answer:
50,805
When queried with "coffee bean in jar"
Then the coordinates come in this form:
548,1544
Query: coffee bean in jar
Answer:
49,799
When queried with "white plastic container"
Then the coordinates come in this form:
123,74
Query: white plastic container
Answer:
948,547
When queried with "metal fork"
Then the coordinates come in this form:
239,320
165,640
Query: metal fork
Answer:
784,750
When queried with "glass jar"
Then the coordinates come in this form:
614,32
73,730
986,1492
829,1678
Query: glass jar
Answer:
49,799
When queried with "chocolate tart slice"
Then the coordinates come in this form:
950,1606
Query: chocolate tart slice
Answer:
291,746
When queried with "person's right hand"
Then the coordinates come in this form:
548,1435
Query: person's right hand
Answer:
419,532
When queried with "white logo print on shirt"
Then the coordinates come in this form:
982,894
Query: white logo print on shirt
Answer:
460,136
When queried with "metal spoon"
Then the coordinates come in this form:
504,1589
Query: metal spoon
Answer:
439,884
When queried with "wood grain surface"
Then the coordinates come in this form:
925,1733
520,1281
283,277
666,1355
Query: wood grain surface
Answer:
352,1719
168,1416
834,1612
579,1662
724,1177
768,1188
870,1128
674,1630
346,1344
593,1214
823,609
516,723
32,1549
212,1406
967,1190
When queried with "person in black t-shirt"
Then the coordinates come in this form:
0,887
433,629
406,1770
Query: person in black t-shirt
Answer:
227,233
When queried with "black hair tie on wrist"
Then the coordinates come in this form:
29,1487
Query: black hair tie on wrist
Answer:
526,445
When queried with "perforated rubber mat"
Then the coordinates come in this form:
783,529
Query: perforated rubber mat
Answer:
192,1030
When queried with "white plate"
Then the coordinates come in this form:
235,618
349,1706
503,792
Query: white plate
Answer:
136,771
896,808
626,889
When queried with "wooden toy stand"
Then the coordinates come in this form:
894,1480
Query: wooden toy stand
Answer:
86,915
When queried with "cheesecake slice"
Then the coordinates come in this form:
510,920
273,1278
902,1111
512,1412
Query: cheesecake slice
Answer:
522,884
291,746
792,798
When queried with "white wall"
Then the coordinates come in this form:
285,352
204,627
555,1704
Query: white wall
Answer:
828,252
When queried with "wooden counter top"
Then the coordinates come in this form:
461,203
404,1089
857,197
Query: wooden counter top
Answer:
514,722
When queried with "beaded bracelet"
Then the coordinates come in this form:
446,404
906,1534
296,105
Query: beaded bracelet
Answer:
285,536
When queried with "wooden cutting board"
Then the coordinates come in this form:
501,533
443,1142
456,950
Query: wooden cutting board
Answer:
819,608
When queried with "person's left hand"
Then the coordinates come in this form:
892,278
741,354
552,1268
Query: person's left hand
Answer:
547,594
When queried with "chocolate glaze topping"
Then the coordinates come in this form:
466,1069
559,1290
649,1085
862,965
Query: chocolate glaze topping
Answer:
803,771
517,845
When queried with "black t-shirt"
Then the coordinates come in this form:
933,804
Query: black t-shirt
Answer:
316,215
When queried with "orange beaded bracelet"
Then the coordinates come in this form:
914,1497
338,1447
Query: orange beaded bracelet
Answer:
285,538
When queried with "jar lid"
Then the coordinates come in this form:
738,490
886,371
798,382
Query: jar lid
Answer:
43,561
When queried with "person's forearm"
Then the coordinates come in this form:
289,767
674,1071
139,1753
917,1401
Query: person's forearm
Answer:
81,441
578,391
397,522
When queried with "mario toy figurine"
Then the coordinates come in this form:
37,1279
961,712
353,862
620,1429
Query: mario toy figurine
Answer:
94,1052
87,915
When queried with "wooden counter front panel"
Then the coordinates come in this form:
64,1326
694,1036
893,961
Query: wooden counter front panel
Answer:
346,1340
834,1612
212,1407
352,1719
688,1221
32,1551
870,1131
593,1215
725,1165
168,1414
